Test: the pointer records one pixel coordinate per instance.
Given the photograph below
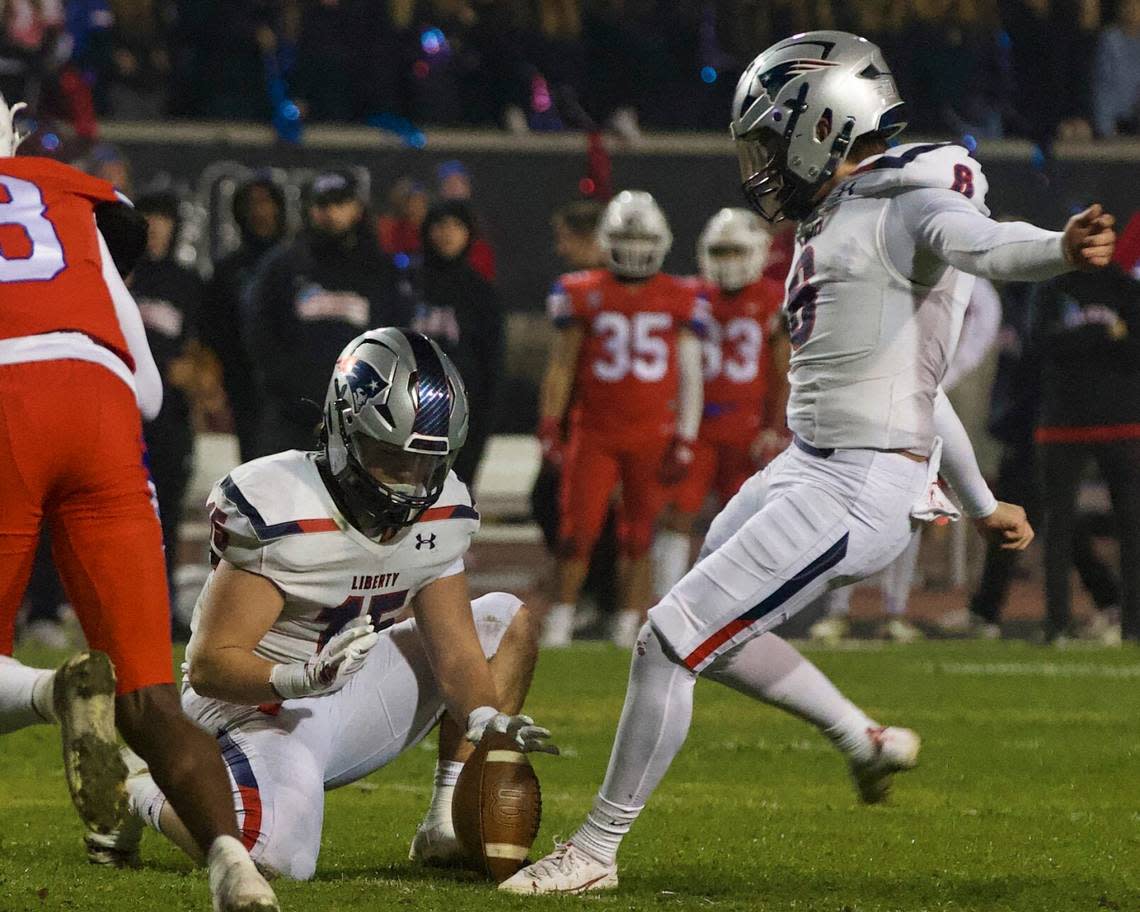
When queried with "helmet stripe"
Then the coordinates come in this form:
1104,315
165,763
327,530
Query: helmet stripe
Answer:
433,413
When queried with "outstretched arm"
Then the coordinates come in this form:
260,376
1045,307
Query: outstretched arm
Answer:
947,225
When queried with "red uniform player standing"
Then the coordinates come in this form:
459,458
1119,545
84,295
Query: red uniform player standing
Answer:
75,370
626,368
746,387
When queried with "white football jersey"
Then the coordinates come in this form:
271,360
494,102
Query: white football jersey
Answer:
274,517
872,337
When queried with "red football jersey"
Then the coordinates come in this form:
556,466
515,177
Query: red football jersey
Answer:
627,368
51,272
737,360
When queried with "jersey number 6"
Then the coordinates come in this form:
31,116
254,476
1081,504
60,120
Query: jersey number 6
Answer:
801,299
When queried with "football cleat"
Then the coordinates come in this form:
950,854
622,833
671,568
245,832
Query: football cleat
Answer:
565,870
120,848
558,628
894,750
899,630
963,622
83,696
830,630
437,845
235,883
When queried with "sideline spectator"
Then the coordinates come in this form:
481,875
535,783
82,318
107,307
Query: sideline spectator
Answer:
169,297
259,211
140,66
460,310
454,183
1087,342
1116,101
399,228
309,299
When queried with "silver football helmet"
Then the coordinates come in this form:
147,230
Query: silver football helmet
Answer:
395,419
732,249
10,137
634,235
798,108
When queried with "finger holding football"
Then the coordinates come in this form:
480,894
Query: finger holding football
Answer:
1088,239
529,737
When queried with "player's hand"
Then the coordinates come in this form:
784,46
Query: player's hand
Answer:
675,465
550,439
329,670
769,444
1089,240
1007,525
529,737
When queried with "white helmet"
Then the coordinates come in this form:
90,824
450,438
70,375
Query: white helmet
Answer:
798,108
634,235
732,249
10,139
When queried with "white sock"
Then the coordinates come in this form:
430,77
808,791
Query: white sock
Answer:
146,800
25,695
769,669
671,560
443,790
654,724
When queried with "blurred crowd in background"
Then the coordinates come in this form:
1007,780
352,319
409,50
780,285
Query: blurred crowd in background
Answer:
1043,69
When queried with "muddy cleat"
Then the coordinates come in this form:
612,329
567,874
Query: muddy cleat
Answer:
436,845
120,848
899,630
895,749
83,697
565,870
235,883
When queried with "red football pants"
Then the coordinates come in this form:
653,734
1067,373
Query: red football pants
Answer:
71,454
594,464
716,467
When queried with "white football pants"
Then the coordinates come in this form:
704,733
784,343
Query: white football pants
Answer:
804,525
281,764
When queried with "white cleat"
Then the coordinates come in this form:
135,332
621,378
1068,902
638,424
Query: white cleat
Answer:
83,697
895,749
558,628
627,625
235,883
437,845
565,870
899,630
830,630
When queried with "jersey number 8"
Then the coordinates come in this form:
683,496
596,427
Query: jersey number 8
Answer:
32,253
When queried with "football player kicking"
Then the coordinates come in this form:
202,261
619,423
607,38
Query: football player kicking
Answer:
296,661
888,243
745,371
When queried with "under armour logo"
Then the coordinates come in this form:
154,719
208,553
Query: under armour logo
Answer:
428,540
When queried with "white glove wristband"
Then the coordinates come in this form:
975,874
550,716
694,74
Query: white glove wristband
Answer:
290,681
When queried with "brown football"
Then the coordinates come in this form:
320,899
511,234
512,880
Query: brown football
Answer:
497,806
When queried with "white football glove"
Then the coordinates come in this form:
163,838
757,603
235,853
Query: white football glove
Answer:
328,670
528,736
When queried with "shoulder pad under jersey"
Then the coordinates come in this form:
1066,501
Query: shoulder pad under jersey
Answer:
946,166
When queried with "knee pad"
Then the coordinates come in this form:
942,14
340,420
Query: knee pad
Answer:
493,614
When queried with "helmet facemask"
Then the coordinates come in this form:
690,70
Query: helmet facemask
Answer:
635,256
395,420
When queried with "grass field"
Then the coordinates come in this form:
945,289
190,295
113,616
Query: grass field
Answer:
1027,798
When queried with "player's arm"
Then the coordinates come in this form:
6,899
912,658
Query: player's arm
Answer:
148,380
993,518
558,385
774,436
463,674
950,227
237,611
690,404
